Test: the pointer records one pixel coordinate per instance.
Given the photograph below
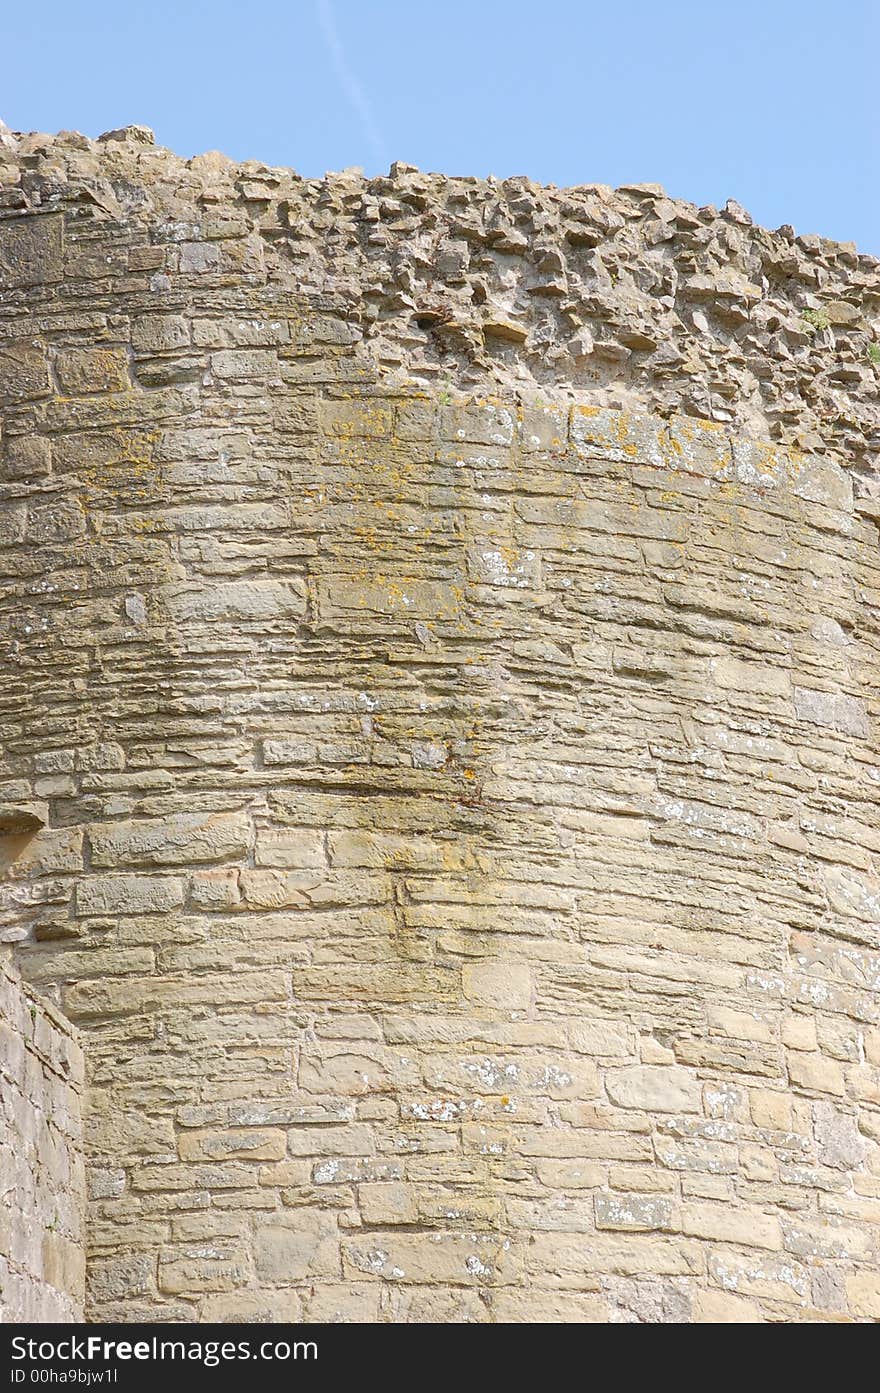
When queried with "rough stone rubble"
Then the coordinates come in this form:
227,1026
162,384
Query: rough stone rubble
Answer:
619,297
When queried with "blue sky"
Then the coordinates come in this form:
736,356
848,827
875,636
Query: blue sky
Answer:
772,102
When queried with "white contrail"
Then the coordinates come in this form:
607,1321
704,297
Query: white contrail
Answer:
349,83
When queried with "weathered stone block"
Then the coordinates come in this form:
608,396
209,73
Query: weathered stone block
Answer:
27,457
129,894
24,371
253,1308
239,1145
242,364
815,1073
863,1293
304,1247
478,423
298,848
719,1222
113,1279
638,1213
240,601
31,250
159,333
467,1260
498,982
356,418
833,710
220,1267
174,841
92,370
654,1088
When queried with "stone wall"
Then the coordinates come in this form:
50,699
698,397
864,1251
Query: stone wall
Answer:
461,829
622,297
42,1178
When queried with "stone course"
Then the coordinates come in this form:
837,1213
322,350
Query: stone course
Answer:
455,775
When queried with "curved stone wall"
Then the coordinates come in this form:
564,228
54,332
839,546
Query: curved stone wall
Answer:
461,824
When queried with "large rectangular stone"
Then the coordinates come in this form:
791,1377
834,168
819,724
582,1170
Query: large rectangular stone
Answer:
654,1088
243,364
348,599
212,1268
24,371
722,1223
128,894
260,601
483,1260
832,710
31,250
386,982
178,840
84,370
297,1248
237,1144
156,994
356,418
637,1213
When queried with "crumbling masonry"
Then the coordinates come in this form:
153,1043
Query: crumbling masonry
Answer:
439,748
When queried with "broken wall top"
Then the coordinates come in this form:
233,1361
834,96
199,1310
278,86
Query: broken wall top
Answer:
618,298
